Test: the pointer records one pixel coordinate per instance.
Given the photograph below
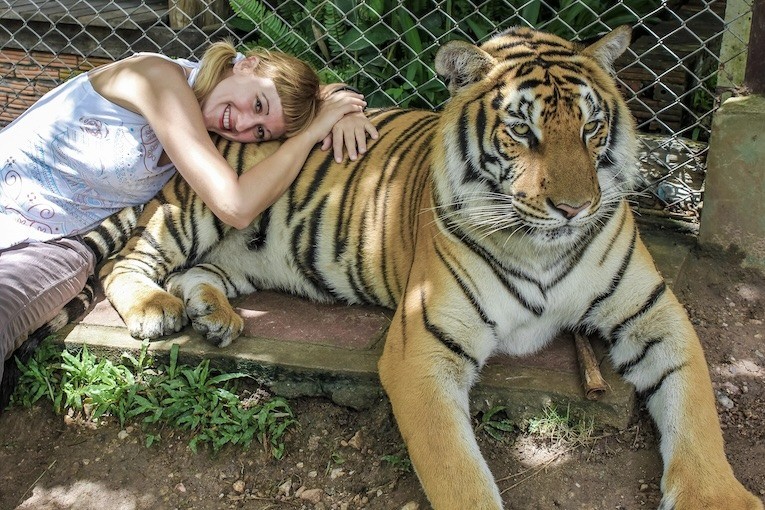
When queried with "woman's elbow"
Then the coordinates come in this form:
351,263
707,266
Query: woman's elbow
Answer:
233,219
237,222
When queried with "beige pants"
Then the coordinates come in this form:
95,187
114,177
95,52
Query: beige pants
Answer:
36,281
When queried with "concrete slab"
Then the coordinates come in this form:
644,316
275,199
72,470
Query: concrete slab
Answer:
300,348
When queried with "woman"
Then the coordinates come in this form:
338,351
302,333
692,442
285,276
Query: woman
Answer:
112,138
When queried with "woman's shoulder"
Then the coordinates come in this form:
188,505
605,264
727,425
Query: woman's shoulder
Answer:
152,67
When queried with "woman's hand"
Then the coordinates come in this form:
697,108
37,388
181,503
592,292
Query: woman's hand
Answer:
333,108
351,131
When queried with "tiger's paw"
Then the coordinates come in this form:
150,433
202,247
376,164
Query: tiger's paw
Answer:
212,315
731,497
157,314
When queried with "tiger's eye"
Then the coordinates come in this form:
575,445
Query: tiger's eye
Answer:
591,126
520,129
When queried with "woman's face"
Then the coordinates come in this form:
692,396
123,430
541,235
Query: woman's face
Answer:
244,107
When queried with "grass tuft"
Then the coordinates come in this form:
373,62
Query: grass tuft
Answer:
558,427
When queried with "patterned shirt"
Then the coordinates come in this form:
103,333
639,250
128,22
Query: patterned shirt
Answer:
72,160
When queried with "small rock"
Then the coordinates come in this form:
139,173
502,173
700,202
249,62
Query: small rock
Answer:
312,495
238,486
312,474
313,443
643,487
285,488
412,505
726,402
355,441
181,488
336,473
122,434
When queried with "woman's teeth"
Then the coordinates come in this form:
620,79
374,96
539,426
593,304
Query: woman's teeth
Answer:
227,118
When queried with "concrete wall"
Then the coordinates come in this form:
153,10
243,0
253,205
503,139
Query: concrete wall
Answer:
734,196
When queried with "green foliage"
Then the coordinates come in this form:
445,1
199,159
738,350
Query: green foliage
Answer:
496,423
199,400
386,48
400,463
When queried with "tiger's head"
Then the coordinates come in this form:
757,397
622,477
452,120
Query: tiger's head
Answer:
537,141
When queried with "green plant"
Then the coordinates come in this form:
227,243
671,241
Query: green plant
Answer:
387,48
199,400
400,463
496,423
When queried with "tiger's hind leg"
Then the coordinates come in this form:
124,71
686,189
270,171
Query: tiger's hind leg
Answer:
147,310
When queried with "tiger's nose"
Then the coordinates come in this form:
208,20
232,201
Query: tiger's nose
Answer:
568,211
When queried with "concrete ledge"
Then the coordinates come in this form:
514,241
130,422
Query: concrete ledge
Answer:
299,348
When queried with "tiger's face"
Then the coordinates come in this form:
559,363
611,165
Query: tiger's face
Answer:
540,144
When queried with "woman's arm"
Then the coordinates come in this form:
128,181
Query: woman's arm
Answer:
157,89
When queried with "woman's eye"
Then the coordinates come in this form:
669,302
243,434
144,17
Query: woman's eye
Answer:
261,133
258,106
520,129
591,127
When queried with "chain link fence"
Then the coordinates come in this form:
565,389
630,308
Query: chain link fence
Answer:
684,55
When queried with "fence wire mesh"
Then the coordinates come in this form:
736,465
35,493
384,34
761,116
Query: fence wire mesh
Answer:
684,54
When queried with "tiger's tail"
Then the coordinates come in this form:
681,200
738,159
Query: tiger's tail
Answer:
105,240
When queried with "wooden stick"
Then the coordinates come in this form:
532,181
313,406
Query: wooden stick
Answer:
594,384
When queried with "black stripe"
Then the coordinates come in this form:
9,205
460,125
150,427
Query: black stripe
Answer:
463,140
500,271
362,288
625,367
443,337
658,291
613,239
614,136
649,392
615,281
572,260
469,294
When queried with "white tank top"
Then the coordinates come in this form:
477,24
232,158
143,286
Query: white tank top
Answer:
73,159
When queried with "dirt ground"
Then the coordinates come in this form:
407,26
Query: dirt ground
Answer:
344,459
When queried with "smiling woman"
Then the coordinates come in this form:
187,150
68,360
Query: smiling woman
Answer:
122,130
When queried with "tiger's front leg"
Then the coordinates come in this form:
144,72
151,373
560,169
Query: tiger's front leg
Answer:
205,290
654,346
427,377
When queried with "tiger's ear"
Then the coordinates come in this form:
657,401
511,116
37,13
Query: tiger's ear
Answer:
608,48
460,63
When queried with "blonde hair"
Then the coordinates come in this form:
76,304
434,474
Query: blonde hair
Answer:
296,82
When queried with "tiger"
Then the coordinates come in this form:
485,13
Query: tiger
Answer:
487,227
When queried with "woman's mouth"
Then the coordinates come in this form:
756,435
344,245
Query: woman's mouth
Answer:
225,121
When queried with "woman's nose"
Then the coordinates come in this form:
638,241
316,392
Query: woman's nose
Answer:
246,121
